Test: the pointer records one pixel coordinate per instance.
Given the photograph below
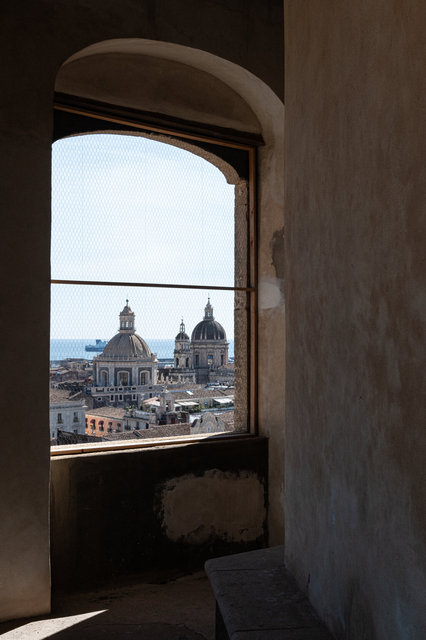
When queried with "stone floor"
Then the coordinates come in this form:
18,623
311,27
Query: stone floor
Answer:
181,609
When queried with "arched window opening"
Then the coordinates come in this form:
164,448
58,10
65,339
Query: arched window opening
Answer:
212,287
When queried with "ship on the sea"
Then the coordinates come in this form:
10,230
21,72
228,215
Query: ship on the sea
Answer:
98,346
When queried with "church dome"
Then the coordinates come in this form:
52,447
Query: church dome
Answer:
182,335
125,345
209,328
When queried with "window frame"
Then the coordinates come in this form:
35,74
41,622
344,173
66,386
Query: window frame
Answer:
136,120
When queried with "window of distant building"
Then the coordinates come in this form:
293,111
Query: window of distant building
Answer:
150,225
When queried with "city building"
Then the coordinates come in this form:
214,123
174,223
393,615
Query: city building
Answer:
106,420
67,412
209,348
126,368
204,358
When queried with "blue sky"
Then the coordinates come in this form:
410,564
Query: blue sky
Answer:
126,208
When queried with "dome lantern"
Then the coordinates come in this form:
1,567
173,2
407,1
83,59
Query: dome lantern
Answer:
126,343
127,320
208,311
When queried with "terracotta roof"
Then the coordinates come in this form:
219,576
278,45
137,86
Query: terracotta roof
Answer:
64,395
163,431
66,437
117,413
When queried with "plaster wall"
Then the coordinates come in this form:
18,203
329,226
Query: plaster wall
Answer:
151,510
152,82
240,44
355,305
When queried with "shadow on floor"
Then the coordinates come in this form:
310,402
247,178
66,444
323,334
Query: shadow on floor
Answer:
182,609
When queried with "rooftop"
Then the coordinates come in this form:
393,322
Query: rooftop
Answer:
107,412
65,395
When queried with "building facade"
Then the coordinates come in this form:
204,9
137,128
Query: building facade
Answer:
202,357
126,368
65,413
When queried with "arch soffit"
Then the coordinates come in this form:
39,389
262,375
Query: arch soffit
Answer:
258,96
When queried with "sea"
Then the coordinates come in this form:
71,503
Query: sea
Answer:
61,349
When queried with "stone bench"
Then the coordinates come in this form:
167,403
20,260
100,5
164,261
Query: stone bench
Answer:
256,599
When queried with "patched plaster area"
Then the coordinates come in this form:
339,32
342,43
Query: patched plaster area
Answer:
270,293
218,504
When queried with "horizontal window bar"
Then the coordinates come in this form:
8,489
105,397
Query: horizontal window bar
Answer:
157,123
152,285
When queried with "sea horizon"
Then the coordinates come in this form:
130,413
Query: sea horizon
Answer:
63,348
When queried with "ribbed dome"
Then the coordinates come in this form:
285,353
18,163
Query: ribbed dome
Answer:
182,336
208,330
125,345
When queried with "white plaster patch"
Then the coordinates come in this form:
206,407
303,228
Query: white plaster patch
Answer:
270,295
218,504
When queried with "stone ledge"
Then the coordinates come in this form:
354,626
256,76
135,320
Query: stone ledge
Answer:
257,599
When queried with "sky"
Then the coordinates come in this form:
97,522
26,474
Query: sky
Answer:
130,209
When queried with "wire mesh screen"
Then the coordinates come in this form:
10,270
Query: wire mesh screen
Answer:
127,208
138,361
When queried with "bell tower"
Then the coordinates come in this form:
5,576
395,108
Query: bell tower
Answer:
182,357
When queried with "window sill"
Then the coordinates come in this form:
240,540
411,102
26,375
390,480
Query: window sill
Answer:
132,445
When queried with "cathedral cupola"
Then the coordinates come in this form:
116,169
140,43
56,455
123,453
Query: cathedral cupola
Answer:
127,320
209,348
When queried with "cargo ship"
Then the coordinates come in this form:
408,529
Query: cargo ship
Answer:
98,346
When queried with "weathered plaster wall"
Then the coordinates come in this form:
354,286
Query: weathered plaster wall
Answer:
240,43
355,247
154,510
229,504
